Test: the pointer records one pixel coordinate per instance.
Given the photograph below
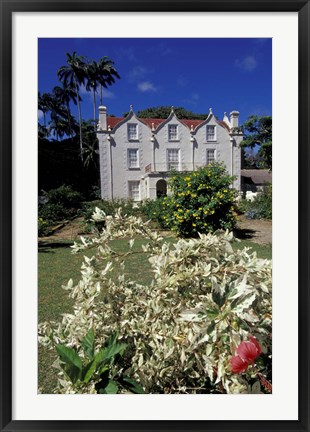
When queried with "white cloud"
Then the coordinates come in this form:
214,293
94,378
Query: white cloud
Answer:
82,90
181,81
145,86
107,94
40,114
137,73
128,53
248,64
161,49
192,99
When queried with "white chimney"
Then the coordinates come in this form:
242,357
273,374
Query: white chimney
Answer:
234,119
103,117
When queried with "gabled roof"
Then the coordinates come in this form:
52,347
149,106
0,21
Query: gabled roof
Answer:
113,121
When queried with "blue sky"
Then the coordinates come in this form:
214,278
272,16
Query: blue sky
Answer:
225,74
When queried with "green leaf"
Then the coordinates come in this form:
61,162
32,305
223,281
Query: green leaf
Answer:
117,348
88,344
212,313
210,328
111,388
72,362
88,372
108,353
132,385
69,356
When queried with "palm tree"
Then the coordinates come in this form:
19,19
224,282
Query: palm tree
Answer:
106,74
65,95
44,104
91,151
74,74
92,82
59,126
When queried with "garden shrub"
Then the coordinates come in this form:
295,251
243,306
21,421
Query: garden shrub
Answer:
202,326
260,207
155,211
109,207
201,201
65,196
43,228
62,203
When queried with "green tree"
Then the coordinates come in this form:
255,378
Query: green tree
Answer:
65,95
91,148
44,105
258,133
92,83
74,74
164,111
106,73
101,74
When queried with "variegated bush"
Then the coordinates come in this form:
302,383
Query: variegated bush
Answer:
182,329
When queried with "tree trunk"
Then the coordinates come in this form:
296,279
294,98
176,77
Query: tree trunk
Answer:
69,121
80,118
94,96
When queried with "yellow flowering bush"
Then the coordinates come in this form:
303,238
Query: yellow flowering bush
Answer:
201,202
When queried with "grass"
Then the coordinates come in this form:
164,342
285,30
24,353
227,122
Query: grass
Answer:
57,265
263,251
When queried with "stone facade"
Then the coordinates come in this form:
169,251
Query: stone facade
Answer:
137,155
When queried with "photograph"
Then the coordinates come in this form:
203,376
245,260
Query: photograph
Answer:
154,216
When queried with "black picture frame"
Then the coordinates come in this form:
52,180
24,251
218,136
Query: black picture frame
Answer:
8,7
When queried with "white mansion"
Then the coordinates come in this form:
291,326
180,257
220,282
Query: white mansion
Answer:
137,155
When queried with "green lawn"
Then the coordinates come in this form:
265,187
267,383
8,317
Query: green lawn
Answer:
57,265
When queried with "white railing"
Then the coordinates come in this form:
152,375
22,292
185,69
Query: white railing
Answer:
170,167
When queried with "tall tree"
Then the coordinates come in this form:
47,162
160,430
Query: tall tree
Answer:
258,134
106,74
65,95
102,74
92,83
74,74
44,104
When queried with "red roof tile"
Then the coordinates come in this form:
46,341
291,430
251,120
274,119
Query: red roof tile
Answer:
150,121
113,121
190,123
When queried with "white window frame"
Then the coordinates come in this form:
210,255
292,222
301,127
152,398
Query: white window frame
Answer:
208,161
169,152
129,162
207,133
136,137
176,135
131,193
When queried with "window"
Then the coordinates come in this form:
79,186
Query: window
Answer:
133,158
132,130
134,190
211,133
210,156
172,132
173,159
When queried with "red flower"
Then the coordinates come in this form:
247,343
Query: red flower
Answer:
238,365
247,352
